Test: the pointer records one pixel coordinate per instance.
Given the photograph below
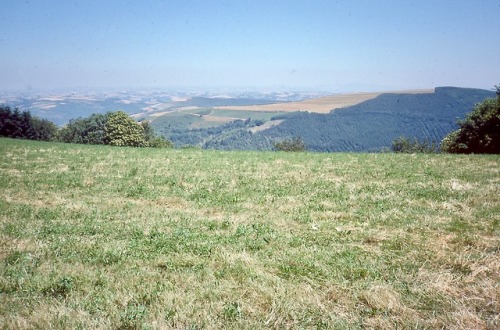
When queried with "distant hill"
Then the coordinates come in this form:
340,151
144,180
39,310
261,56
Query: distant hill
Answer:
364,122
368,126
319,104
61,109
206,102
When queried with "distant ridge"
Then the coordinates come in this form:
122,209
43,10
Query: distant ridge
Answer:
222,102
374,124
369,124
321,104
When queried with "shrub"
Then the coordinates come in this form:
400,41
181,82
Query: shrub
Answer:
43,129
121,130
294,145
89,130
153,140
160,142
479,132
406,145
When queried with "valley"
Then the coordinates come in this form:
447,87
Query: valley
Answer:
367,122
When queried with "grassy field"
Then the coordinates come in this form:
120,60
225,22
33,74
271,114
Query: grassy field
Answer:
101,237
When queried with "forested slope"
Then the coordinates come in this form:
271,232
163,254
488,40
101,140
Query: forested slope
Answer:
369,126
374,124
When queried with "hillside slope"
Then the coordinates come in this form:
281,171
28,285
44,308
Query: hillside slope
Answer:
371,125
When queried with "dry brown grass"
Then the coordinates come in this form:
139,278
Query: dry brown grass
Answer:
98,237
319,105
218,119
266,125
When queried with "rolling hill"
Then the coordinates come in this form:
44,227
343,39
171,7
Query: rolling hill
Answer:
318,105
359,122
368,125
374,124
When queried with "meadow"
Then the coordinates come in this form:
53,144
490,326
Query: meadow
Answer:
107,237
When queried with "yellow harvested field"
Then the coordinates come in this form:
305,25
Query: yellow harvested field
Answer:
52,99
266,125
82,98
320,105
179,99
159,114
219,119
47,106
127,101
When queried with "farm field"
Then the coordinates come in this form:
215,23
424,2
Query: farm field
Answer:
108,237
205,117
320,105
184,117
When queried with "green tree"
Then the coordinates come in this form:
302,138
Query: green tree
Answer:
121,130
497,87
43,129
14,123
22,125
153,140
89,130
113,128
149,132
479,132
10,122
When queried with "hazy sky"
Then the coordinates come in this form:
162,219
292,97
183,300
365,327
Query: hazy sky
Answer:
328,45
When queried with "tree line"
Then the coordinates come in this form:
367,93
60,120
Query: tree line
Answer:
112,128
479,132
373,125
22,125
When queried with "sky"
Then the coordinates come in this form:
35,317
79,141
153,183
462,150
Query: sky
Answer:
344,45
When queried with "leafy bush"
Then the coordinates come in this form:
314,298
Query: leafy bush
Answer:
43,129
479,132
123,131
149,131
295,144
152,140
160,142
113,128
89,130
406,145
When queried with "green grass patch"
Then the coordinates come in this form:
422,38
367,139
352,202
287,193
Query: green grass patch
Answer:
103,237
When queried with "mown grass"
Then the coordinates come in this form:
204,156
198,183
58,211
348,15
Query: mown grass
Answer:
101,237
